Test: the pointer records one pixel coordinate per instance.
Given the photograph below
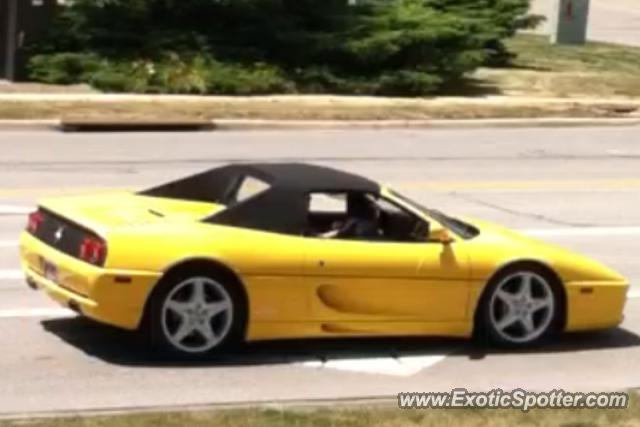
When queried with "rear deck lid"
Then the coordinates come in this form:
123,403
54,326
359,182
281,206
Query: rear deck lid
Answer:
113,210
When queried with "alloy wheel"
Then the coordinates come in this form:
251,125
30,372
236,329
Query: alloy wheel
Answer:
197,315
522,307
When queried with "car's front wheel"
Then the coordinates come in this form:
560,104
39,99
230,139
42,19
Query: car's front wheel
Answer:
521,308
195,316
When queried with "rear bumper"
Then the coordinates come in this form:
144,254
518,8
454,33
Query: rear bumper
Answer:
115,297
595,305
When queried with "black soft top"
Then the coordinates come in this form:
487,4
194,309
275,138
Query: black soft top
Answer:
282,208
305,177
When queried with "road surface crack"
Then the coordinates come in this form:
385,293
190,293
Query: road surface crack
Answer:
532,215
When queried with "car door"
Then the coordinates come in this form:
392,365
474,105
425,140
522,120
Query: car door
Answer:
386,281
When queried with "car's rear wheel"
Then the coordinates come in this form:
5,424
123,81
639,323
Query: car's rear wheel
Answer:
521,308
194,316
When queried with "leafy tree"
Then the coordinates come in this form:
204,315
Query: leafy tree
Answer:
501,19
399,47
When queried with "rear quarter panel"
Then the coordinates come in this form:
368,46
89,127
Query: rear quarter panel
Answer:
268,264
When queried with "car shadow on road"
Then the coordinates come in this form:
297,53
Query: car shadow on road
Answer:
125,348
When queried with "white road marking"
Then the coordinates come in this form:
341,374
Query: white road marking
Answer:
583,231
402,366
19,313
15,210
11,274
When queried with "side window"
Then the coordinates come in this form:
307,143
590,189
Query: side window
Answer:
249,187
398,224
325,210
328,203
362,216
390,207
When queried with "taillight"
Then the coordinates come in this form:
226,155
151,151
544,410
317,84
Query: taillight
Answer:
35,221
93,250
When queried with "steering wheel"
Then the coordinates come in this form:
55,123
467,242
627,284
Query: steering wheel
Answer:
420,231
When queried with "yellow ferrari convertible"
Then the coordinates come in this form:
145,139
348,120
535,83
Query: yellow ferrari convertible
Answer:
269,251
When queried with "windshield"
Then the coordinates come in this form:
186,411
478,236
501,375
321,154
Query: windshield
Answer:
459,227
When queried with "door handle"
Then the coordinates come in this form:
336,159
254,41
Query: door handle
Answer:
321,263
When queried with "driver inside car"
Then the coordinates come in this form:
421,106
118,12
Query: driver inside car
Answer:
363,220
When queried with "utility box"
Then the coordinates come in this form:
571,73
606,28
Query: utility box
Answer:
569,20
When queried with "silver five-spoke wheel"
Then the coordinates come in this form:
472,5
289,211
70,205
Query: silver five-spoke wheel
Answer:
197,315
522,307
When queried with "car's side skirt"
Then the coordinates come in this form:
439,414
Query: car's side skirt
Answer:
287,330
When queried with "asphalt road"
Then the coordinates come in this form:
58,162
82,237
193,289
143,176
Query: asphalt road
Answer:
577,187
616,21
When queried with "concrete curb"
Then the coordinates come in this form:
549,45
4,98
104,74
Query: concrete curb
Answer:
25,125
256,124
237,125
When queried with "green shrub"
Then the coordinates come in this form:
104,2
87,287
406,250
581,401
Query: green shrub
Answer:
63,68
258,79
196,74
111,80
323,80
172,74
499,19
120,77
407,83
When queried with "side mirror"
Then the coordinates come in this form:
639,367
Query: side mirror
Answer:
443,236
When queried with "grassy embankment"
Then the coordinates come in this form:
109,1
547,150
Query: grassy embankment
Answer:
361,416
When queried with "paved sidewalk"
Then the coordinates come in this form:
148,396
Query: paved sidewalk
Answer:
117,111
7,87
315,99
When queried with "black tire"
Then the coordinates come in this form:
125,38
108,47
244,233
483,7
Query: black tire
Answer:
549,319
155,332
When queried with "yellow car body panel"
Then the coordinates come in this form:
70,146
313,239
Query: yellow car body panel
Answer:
96,292
595,294
301,286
